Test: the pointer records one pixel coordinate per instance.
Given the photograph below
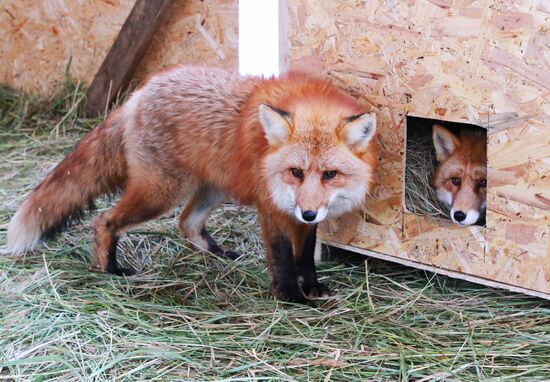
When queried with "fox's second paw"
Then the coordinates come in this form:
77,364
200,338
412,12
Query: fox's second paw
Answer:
316,290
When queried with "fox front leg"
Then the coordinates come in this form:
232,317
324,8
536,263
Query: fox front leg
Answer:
277,236
305,265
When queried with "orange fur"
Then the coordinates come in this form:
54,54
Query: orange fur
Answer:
462,169
199,132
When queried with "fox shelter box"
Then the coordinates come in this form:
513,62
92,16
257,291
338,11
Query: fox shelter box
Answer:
480,62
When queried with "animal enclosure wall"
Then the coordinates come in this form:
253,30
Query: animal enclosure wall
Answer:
39,38
481,62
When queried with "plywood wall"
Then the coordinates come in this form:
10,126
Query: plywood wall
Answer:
40,37
482,62
199,33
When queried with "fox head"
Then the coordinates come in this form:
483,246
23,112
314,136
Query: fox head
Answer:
321,158
460,179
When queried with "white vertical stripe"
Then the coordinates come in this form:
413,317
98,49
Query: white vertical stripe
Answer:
259,37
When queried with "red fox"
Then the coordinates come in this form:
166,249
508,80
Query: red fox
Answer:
296,147
460,179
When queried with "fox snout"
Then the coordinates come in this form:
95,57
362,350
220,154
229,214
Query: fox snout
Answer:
310,216
310,196
466,207
468,217
463,207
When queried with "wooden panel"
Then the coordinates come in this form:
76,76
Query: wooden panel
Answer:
39,39
519,204
200,33
481,62
442,271
119,65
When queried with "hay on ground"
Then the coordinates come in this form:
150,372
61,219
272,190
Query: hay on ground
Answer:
191,316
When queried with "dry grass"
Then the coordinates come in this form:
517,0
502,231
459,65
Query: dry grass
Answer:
191,316
420,197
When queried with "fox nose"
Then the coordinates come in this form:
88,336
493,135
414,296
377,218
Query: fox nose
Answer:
309,215
459,216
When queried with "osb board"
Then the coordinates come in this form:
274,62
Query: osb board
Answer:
200,33
482,62
40,37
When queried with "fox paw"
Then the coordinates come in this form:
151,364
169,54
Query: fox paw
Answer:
118,271
231,255
288,293
316,290
124,272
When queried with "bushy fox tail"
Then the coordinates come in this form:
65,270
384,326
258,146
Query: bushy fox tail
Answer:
96,166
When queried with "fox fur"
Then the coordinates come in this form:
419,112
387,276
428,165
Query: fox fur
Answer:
460,178
296,147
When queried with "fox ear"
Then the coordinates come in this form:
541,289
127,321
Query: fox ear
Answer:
445,142
275,123
359,130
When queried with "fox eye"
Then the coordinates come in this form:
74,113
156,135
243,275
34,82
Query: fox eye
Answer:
328,175
455,181
483,183
297,173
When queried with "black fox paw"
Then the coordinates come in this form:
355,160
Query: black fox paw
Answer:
124,272
288,293
231,255
118,271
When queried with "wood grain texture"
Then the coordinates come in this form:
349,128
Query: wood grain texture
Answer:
481,62
42,37
126,53
195,33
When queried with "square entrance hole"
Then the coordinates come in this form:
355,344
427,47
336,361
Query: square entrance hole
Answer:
420,196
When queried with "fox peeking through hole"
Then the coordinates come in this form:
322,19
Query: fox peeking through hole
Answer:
460,178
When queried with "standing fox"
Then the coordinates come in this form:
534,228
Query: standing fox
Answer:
460,179
297,148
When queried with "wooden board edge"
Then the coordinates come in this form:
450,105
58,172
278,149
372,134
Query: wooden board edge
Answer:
283,36
125,54
438,270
